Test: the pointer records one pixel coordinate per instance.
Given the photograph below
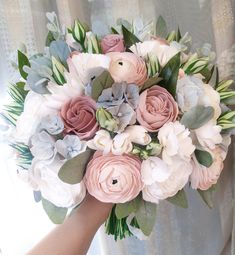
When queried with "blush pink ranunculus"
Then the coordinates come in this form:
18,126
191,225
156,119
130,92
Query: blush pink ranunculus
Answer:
156,107
112,43
114,178
79,117
127,67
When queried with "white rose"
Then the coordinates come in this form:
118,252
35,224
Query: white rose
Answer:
121,144
189,91
138,134
88,66
45,178
101,142
153,170
209,135
34,110
156,48
175,141
178,177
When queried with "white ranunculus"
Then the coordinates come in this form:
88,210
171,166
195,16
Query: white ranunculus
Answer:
35,109
178,177
153,170
101,142
121,144
161,50
176,141
45,178
138,134
209,135
88,66
189,91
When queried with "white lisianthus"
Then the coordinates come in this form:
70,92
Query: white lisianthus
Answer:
162,51
138,134
88,66
209,135
121,144
178,176
35,109
176,141
44,177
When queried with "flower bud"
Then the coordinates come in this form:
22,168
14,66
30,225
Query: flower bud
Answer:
58,71
92,43
154,149
79,32
106,120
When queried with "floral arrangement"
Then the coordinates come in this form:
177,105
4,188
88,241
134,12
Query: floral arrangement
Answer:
131,118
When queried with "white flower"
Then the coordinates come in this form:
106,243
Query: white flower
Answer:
189,91
88,66
34,110
153,170
121,144
209,135
175,140
101,142
138,134
45,178
156,48
179,173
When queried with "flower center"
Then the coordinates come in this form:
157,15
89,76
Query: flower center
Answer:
114,181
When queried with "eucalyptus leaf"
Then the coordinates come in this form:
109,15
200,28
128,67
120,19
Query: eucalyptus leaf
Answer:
204,157
179,199
161,27
73,169
125,209
22,61
169,74
56,214
207,196
60,50
146,216
129,37
197,116
151,82
100,83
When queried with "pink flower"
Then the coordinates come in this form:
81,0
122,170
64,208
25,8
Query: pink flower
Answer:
112,43
114,178
156,107
79,118
127,67
202,177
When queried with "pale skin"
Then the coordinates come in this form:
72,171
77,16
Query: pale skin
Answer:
74,236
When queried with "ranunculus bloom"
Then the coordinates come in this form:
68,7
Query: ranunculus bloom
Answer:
113,178
202,177
112,43
79,117
156,107
127,67
170,183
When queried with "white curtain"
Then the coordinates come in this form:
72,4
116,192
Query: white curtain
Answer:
197,230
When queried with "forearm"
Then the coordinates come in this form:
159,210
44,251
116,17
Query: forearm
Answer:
74,236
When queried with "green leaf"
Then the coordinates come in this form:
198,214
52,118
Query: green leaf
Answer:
170,73
146,216
22,61
123,210
50,38
73,170
204,157
197,116
150,82
207,196
179,199
56,214
129,37
100,83
161,27
114,31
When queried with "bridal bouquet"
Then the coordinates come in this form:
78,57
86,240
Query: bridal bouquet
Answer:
131,118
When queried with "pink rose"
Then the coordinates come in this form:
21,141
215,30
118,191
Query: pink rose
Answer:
112,43
127,67
202,177
156,107
114,178
79,117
